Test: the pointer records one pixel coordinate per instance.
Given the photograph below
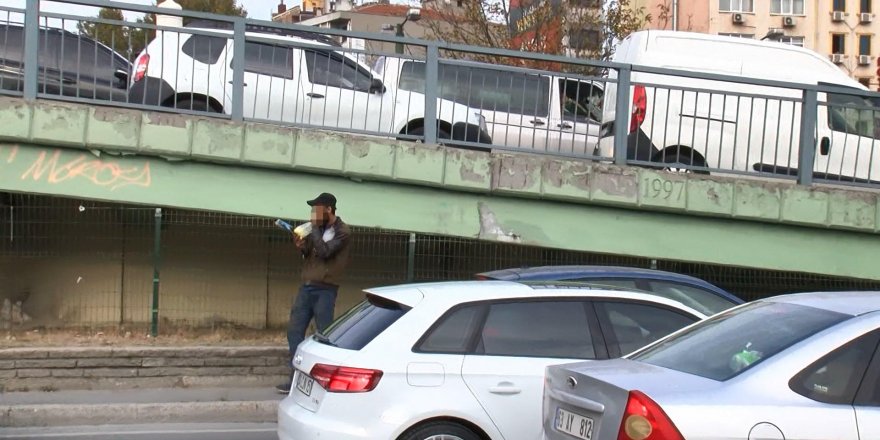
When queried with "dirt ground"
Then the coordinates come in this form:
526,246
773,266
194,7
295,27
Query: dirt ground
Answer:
97,337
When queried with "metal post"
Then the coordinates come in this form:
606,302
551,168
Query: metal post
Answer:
31,46
411,259
807,151
238,69
432,69
399,33
621,116
157,258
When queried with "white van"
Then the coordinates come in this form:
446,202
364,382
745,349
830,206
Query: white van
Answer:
740,127
522,110
317,86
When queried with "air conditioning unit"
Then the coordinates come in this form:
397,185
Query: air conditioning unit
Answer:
789,21
838,16
738,19
864,60
837,58
866,17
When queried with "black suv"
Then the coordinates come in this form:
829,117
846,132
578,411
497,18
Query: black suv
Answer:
69,65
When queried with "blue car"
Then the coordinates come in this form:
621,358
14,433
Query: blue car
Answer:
690,291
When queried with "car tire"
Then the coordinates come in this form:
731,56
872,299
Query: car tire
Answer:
420,131
440,431
198,105
676,157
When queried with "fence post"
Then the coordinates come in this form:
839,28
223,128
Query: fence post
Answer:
157,259
621,115
31,46
411,259
432,68
807,151
238,45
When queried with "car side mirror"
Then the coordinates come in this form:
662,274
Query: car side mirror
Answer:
376,86
121,75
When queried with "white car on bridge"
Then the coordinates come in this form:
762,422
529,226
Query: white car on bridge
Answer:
312,84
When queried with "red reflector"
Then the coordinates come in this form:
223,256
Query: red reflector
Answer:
345,379
140,69
640,108
643,419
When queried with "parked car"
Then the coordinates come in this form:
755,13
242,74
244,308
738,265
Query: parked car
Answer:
735,126
692,292
803,366
316,86
459,359
522,110
71,65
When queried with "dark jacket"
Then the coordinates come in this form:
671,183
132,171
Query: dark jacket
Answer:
325,261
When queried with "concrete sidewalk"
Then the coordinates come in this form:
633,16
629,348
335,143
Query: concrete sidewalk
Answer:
132,406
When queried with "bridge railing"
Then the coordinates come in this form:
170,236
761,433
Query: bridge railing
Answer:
380,84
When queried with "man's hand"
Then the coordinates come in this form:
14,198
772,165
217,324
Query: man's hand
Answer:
299,242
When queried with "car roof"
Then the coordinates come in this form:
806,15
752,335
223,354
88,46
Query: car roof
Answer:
853,303
539,272
457,292
277,33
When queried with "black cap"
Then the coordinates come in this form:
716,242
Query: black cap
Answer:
324,199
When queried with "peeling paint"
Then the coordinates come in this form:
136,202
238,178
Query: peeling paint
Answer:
166,120
490,229
109,114
515,172
468,174
623,183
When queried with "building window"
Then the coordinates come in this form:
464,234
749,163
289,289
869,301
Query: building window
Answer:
864,45
865,81
735,6
839,6
838,43
794,41
787,7
735,35
866,6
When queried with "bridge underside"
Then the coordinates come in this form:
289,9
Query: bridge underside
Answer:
154,181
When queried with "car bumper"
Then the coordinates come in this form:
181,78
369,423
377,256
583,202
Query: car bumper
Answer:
298,423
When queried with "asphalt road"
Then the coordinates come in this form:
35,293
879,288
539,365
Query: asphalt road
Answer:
191,431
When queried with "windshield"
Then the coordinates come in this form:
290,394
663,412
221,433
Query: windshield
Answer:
856,115
731,343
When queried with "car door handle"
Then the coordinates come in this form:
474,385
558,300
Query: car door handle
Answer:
504,390
564,126
243,84
315,95
537,122
825,146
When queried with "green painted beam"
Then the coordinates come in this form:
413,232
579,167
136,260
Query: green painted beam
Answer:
524,176
272,193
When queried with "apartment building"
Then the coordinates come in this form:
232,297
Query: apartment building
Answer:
847,31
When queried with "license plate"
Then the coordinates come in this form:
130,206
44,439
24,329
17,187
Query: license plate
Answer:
304,383
573,424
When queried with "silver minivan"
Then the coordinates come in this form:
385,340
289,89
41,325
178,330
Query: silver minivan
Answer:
523,110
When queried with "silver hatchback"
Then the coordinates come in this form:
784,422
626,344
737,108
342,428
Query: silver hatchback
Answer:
803,366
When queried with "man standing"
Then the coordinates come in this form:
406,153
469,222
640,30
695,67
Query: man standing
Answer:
325,252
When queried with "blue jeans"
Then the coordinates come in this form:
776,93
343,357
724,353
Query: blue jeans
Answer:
312,302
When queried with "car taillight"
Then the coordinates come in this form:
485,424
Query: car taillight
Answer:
643,419
345,379
140,69
640,108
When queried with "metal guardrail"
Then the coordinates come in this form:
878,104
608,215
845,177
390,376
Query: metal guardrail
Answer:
453,94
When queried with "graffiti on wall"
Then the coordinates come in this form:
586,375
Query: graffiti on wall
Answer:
55,166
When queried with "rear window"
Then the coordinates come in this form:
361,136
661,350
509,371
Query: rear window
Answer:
363,322
729,344
204,48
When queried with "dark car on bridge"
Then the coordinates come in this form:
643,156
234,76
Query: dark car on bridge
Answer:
70,65
692,292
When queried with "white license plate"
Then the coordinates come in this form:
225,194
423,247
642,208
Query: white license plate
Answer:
573,424
304,383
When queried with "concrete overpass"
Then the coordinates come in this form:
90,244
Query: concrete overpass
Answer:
176,160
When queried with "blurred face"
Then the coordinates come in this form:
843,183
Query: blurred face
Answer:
320,215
